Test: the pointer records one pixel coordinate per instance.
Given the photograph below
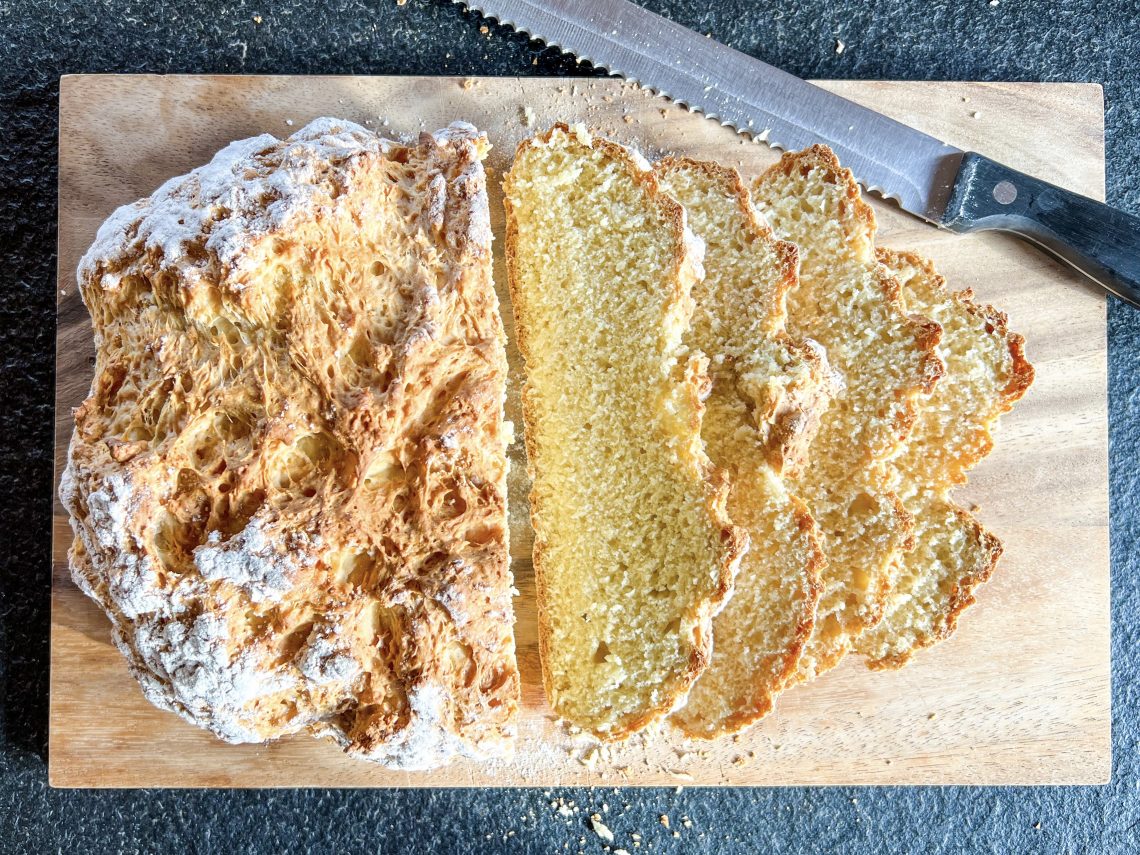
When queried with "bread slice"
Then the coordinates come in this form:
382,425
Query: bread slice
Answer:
986,372
633,551
288,482
849,303
768,392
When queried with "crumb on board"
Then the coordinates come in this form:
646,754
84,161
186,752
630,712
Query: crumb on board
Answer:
468,83
526,115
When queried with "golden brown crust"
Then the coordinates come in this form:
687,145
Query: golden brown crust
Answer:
743,686
289,481
844,620
916,627
793,420
990,550
693,379
997,323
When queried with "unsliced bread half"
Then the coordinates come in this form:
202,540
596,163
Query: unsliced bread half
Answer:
986,372
288,481
633,550
850,304
767,394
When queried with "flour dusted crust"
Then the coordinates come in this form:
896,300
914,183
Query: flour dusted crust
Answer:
288,483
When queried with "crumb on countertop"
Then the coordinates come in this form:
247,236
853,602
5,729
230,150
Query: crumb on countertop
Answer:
601,829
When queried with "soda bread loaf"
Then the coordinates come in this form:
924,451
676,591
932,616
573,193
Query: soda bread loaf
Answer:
849,303
768,392
633,550
288,483
986,372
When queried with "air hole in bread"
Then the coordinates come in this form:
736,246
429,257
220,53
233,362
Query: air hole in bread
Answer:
601,653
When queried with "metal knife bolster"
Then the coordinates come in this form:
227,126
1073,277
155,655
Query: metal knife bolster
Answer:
737,90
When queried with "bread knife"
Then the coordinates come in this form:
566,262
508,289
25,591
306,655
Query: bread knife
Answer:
957,190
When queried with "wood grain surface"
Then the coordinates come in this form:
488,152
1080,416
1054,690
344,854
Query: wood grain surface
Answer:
1019,695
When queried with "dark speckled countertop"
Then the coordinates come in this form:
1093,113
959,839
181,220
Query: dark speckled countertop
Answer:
894,39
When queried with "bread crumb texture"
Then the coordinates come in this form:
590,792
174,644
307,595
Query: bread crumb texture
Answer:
767,395
850,304
986,373
633,551
287,484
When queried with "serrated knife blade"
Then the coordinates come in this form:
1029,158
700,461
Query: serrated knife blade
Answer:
749,95
961,191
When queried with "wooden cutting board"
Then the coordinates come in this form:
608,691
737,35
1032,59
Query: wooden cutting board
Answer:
1019,695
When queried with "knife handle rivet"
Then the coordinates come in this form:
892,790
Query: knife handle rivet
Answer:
1004,192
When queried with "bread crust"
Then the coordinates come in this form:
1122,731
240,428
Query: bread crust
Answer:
989,552
784,431
857,222
288,484
686,267
983,549
792,422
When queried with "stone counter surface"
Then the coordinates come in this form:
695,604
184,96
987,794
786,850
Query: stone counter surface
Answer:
893,39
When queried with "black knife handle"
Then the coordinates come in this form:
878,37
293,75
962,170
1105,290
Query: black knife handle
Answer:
1101,242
